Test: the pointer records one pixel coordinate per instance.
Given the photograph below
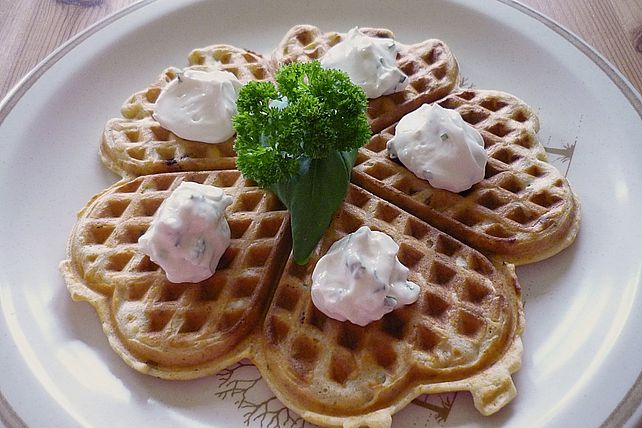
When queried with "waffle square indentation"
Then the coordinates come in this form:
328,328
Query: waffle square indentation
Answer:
545,199
491,200
287,298
416,229
409,256
342,365
269,227
350,336
98,233
475,291
194,320
380,171
434,305
441,274
447,246
522,215
160,133
426,338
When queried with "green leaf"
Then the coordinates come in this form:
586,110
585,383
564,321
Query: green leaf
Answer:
313,196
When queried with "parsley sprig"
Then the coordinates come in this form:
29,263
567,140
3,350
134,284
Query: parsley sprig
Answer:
300,139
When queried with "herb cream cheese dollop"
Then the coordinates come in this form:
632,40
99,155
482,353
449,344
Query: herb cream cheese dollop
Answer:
437,145
189,232
198,105
360,278
370,62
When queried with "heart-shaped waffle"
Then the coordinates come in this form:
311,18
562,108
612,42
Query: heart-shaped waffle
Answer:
522,211
176,331
137,145
461,334
143,146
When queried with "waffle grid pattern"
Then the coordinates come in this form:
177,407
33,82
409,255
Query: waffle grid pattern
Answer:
307,42
141,104
171,324
137,145
142,147
522,202
145,148
431,68
460,324
245,65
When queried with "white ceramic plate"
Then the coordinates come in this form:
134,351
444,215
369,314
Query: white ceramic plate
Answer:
583,352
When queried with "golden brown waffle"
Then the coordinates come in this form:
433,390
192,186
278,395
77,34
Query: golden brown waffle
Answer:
245,65
176,331
141,104
138,145
431,68
142,147
522,211
462,334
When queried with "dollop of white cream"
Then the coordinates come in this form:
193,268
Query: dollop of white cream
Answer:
437,145
198,105
189,232
360,279
370,62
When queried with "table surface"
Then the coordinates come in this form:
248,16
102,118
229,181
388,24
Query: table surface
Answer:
31,29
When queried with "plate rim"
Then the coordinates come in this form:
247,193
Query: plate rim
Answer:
631,401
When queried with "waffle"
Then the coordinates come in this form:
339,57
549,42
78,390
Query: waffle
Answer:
462,333
137,145
431,68
523,210
176,331
142,147
244,64
141,104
